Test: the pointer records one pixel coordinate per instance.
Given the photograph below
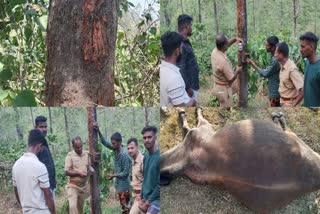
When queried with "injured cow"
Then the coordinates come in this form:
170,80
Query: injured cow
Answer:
261,164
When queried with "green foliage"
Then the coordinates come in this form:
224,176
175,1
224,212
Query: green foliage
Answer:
137,53
22,51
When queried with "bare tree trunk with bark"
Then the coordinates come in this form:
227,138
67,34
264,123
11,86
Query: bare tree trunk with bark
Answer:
18,128
216,16
67,128
242,33
81,39
94,179
32,119
50,120
146,116
295,16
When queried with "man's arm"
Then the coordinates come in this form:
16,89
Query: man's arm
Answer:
239,69
103,140
49,200
233,40
17,195
74,173
268,71
299,97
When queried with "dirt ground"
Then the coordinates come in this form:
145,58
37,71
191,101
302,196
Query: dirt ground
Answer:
184,197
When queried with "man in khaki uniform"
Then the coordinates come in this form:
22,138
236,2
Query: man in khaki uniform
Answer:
291,81
137,167
222,70
78,167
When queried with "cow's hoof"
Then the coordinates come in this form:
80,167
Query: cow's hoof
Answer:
181,111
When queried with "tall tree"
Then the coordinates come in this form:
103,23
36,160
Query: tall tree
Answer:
216,16
18,128
81,38
94,179
50,120
32,119
199,7
67,128
295,16
242,33
181,5
146,116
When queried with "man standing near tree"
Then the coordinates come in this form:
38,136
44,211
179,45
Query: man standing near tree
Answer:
122,167
222,70
291,81
45,155
137,167
271,72
149,200
188,63
311,90
78,168
30,178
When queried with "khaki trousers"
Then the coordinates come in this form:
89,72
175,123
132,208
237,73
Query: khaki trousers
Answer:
223,94
76,198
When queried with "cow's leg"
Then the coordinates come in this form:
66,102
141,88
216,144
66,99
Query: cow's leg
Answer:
185,126
282,118
276,119
201,120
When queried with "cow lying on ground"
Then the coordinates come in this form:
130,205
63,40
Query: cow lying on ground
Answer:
261,164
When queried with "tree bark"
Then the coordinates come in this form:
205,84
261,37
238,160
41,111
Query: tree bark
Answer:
146,116
167,19
216,16
81,39
67,128
181,5
199,7
18,128
242,33
94,179
295,16
32,119
50,120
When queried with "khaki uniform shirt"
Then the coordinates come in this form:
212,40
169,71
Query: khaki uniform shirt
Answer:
137,172
290,80
221,67
78,163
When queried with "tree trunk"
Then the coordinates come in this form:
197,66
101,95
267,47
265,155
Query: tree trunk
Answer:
199,7
67,128
94,179
18,128
242,33
105,119
146,116
315,16
253,17
216,16
81,39
32,119
50,120
181,5
167,18
295,16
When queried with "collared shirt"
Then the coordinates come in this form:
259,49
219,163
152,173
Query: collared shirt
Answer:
137,172
188,65
172,86
311,91
272,73
221,67
151,177
29,175
290,80
80,163
122,167
46,158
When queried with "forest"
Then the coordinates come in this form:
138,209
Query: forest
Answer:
287,19
123,70
63,124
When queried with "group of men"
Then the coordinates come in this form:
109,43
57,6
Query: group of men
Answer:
179,72
34,173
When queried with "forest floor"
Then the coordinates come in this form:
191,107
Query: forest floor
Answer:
9,205
206,93
184,197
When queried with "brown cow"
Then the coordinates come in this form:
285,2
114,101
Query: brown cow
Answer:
262,165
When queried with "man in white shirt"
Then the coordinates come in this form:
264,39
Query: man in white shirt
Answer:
31,180
172,86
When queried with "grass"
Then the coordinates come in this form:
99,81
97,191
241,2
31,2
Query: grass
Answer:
184,197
